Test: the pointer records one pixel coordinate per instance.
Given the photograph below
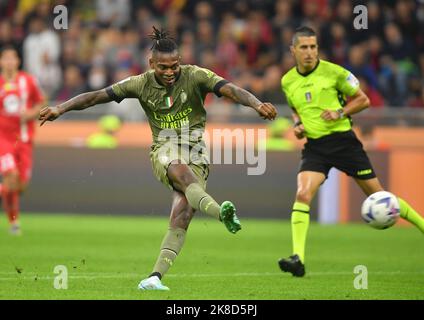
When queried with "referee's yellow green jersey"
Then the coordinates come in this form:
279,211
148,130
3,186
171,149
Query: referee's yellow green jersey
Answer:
325,87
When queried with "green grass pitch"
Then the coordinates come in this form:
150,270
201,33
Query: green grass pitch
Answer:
107,256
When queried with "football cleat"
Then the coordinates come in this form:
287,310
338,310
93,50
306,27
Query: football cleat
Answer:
228,216
292,265
152,283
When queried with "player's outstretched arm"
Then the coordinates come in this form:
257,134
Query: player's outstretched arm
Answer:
265,110
80,102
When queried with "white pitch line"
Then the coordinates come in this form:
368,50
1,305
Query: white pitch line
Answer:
91,276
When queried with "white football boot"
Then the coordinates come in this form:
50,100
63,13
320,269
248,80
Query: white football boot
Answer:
152,283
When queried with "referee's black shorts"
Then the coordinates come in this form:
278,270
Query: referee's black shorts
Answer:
341,150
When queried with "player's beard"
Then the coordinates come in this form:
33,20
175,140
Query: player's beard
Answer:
170,80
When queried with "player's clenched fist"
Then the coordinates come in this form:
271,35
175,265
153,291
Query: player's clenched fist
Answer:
49,114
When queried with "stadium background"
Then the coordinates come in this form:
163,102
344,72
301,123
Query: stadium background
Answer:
244,41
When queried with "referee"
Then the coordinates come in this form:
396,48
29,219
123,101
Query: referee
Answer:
316,91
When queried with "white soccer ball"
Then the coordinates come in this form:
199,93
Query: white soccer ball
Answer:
381,210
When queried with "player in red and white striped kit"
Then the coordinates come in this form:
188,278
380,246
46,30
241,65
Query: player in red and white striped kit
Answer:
20,102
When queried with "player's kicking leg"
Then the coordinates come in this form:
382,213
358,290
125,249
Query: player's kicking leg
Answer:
183,179
181,215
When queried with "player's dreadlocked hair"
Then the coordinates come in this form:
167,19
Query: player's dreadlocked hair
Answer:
162,41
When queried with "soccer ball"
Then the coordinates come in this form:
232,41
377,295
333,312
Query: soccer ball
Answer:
380,210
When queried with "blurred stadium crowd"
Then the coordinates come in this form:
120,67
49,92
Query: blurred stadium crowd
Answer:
245,41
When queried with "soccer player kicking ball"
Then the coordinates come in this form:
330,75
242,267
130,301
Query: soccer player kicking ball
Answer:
172,96
315,90
20,103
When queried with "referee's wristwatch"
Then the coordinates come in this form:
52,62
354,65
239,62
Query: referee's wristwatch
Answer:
341,113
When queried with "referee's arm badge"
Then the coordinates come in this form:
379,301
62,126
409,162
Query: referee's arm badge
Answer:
352,80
